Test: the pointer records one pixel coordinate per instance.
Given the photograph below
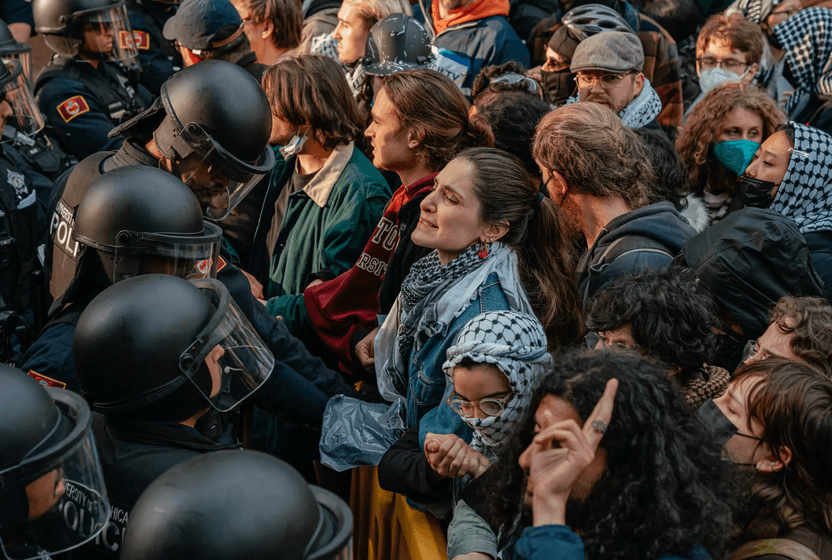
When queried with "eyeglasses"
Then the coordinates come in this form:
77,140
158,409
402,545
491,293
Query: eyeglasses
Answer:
608,81
731,65
593,338
492,406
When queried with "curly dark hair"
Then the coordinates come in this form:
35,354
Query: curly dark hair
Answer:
791,402
695,144
809,320
670,317
665,487
513,117
668,169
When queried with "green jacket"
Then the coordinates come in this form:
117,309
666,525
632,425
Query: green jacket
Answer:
326,225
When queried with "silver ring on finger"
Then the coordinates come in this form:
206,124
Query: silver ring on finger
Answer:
599,426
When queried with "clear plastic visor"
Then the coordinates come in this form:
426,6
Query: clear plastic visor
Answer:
235,355
25,115
107,34
67,497
24,57
185,256
218,178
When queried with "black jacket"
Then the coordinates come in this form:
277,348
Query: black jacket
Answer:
133,454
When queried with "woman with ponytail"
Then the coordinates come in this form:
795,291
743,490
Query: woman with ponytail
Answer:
495,249
419,123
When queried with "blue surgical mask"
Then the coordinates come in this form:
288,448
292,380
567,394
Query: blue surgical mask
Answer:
735,155
709,79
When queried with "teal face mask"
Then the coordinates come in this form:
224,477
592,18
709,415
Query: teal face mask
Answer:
735,155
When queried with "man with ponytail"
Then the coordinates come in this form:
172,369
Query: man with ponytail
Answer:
420,122
598,173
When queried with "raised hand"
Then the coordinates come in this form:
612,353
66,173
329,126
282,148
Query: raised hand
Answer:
559,453
450,456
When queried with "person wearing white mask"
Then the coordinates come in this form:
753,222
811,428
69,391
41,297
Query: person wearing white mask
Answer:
728,49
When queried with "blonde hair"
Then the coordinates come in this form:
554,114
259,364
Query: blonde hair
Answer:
377,10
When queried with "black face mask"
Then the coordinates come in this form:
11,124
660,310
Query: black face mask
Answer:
721,428
559,85
755,192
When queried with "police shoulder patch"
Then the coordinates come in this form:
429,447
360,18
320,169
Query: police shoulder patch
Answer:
73,107
141,39
221,264
46,381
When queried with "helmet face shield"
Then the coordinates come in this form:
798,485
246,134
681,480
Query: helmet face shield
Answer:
219,179
26,117
107,34
239,362
68,503
24,57
176,254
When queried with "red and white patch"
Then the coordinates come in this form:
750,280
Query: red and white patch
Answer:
73,107
141,39
46,381
126,39
203,267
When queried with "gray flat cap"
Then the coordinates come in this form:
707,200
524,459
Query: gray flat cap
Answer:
610,51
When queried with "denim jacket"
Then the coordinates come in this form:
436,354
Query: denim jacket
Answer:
427,382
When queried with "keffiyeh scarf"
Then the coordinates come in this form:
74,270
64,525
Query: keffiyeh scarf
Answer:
753,10
641,111
516,344
807,39
805,194
426,283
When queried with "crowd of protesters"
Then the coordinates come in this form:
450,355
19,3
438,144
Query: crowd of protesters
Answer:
561,272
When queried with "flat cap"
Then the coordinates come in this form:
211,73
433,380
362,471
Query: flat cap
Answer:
199,24
610,51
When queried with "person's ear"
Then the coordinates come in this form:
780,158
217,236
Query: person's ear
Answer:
638,82
414,138
772,464
494,232
557,187
268,29
751,72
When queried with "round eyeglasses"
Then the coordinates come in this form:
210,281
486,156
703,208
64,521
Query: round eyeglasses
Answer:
608,81
490,406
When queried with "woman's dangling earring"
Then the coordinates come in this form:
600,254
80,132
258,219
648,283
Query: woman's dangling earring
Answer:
483,252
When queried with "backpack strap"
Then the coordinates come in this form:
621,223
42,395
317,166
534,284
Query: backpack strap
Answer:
787,548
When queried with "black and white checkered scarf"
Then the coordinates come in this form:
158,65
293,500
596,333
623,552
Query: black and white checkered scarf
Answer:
753,10
516,344
807,39
805,194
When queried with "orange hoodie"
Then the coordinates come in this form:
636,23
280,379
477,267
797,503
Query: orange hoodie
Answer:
480,9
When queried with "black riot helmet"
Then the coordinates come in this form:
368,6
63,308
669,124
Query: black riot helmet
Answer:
212,122
142,220
396,43
14,90
264,507
49,470
161,348
591,19
98,28
10,49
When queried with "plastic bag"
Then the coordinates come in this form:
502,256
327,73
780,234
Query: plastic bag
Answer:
356,433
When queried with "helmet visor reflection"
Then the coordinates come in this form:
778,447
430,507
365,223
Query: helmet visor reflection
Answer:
26,118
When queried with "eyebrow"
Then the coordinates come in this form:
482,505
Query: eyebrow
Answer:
458,394
770,154
453,190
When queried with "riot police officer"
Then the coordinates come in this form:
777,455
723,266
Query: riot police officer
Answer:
133,220
237,505
84,91
49,471
41,154
22,220
153,354
210,126
158,58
